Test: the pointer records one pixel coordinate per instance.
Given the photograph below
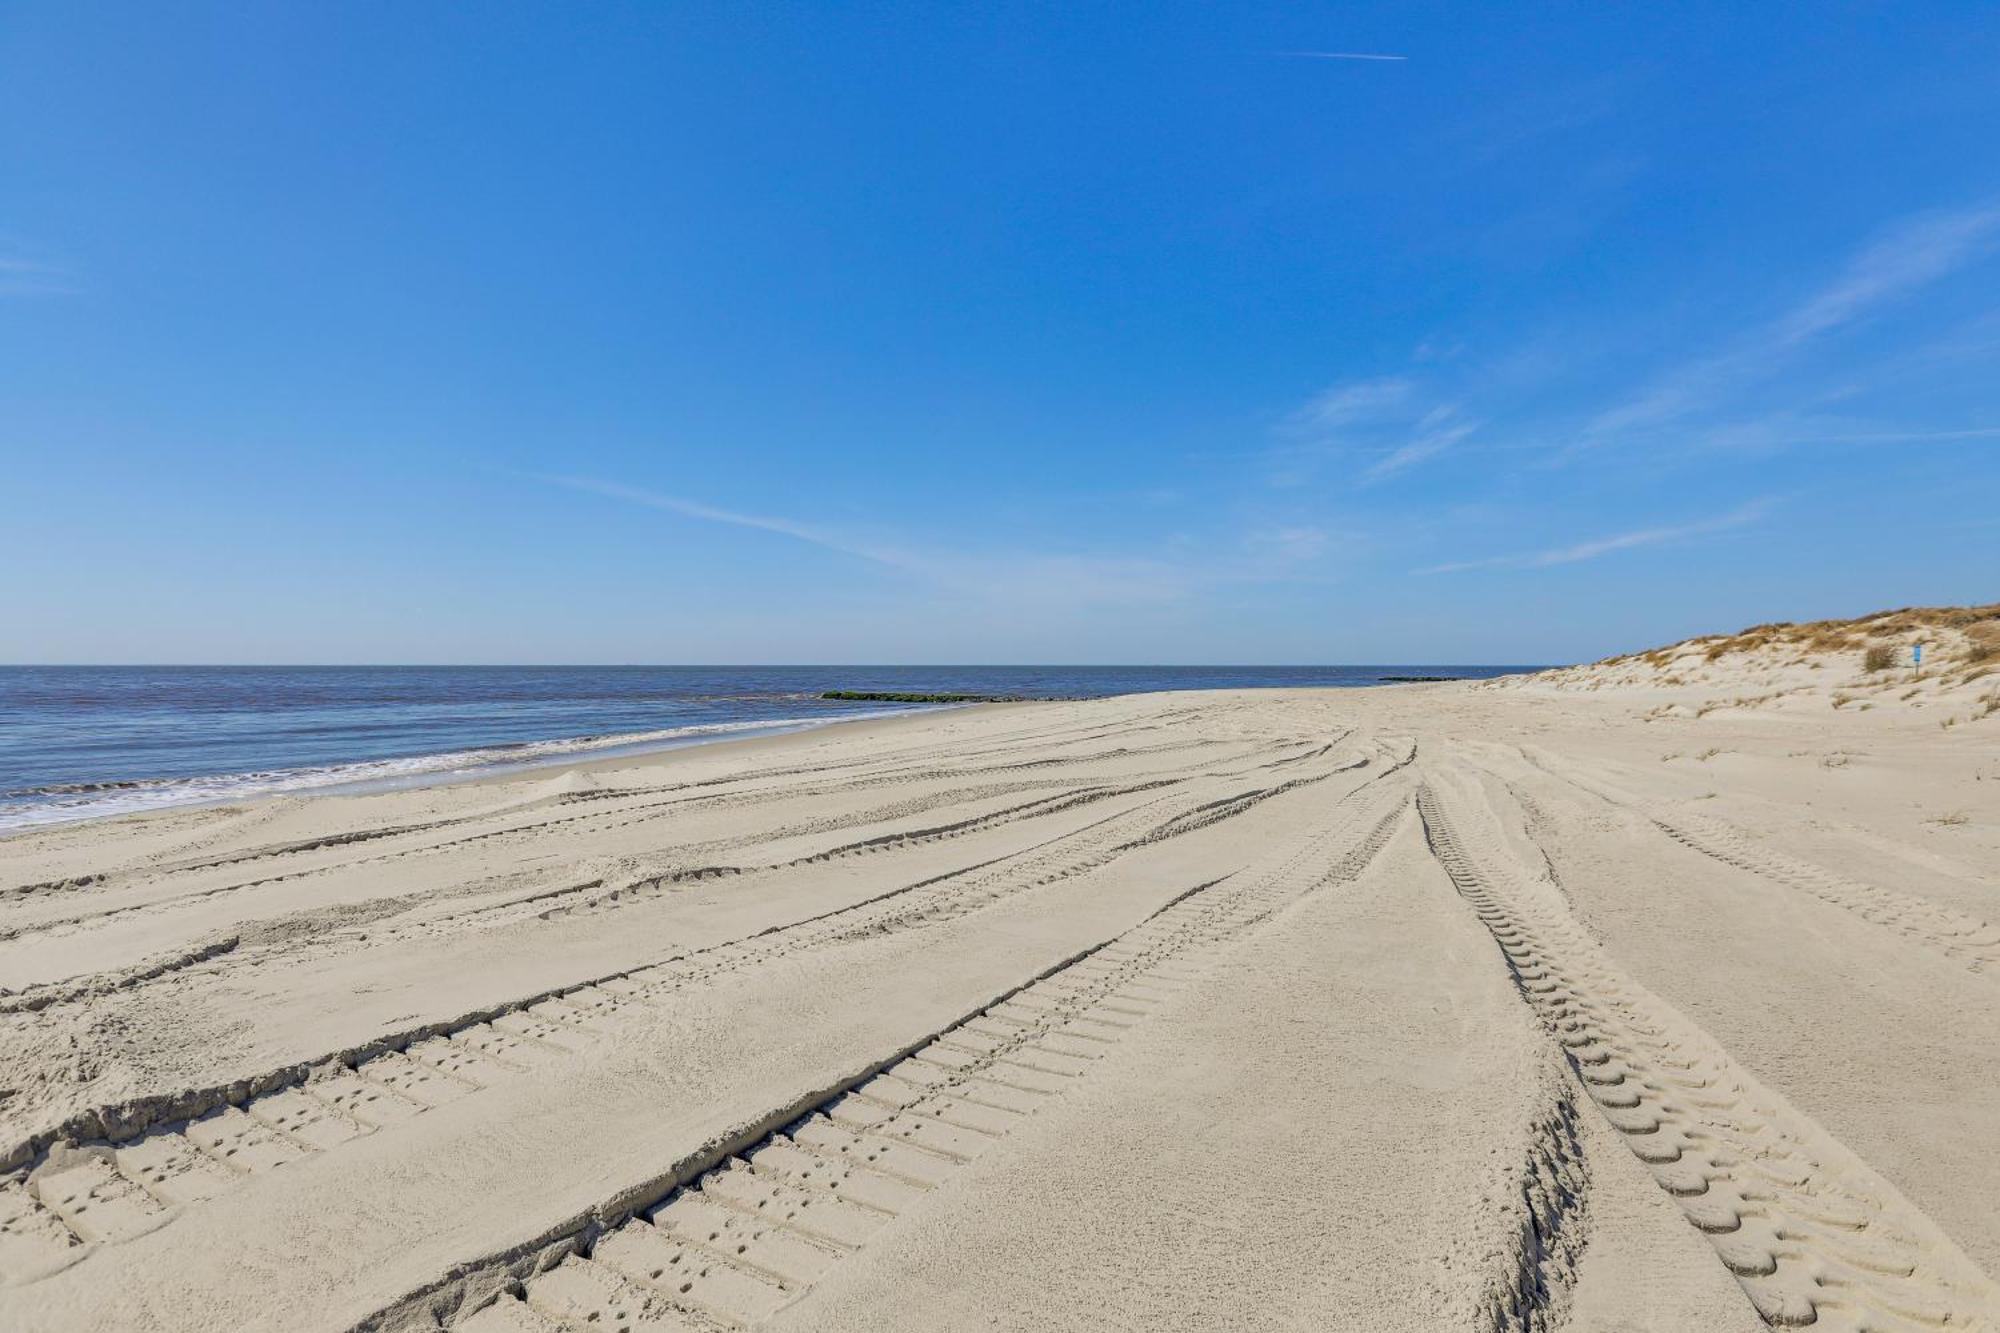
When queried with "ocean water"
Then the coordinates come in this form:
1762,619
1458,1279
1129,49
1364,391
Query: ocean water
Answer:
83,742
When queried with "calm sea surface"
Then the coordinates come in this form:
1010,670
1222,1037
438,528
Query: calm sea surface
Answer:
78,742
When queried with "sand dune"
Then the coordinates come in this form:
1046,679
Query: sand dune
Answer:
1583,1001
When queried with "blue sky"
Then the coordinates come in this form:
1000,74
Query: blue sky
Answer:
689,333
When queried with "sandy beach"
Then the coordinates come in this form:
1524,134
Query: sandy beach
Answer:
1657,995
928,668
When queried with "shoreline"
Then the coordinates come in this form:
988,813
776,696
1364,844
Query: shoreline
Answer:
560,752
85,743
148,796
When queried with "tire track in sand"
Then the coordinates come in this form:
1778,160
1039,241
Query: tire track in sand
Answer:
1069,858
1964,939
636,808
1812,1234
1095,846
503,913
121,1171
731,1240
925,763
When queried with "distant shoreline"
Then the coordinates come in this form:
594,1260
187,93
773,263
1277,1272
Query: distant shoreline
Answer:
93,742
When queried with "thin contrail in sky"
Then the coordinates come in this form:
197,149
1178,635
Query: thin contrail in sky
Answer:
1340,55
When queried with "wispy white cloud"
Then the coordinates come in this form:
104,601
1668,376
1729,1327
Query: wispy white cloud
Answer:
1390,420
1909,255
673,504
1388,426
1012,579
1902,436
1342,55
1436,433
1599,546
1916,252
1291,544
1790,430
25,277
1344,404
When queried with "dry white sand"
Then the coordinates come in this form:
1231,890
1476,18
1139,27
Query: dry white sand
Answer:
1575,1002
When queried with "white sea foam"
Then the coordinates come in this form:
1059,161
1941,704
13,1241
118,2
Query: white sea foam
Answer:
74,802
